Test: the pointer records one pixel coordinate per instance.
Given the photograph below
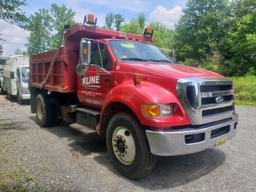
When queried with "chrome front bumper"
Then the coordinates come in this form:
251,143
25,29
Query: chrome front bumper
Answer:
25,96
172,143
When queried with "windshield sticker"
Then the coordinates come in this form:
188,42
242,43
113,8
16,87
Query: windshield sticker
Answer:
128,45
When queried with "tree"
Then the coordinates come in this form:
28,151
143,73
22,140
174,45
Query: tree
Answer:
132,27
136,25
46,28
11,13
20,52
109,20
202,30
61,16
141,20
40,28
240,53
1,50
163,37
118,20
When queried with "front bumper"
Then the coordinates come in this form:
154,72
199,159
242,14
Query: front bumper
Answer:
176,142
25,96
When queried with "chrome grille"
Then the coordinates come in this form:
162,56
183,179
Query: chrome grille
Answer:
206,100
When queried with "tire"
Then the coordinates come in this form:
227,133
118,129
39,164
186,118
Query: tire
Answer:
46,115
19,99
120,147
2,91
9,96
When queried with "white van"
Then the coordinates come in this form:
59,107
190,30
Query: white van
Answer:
15,78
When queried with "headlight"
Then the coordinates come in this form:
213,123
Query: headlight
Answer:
157,110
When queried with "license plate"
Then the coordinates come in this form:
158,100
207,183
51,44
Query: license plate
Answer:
220,140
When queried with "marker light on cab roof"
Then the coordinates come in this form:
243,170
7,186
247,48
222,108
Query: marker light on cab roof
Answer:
148,32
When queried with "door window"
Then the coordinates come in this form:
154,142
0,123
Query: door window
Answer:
100,56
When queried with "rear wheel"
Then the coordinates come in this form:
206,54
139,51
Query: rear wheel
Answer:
128,147
46,112
9,96
19,99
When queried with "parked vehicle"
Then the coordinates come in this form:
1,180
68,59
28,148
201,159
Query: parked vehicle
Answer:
125,88
15,78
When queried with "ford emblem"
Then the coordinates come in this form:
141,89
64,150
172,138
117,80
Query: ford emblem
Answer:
219,100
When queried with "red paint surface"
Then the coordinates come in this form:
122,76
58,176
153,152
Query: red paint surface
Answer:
157,86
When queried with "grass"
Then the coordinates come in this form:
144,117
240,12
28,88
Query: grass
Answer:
13,177
12,182
245,90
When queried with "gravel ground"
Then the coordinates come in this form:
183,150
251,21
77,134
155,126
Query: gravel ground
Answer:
65,159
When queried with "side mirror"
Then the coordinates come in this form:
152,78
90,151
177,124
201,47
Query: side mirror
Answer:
85,51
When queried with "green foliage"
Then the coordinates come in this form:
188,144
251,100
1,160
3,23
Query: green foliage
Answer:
109,20
200,30
45,28
163,37
245,90
132,27
11,13
141,20
61,15
242,39
219,35
1,50
40,29
118,21
115,20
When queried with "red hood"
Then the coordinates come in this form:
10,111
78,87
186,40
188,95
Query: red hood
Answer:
174,71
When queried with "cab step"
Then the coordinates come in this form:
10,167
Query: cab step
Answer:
88,117
88,111
82,128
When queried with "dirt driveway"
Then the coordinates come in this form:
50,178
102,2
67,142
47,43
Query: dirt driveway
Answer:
65,159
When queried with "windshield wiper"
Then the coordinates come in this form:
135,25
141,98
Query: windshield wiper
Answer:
161,60
134,59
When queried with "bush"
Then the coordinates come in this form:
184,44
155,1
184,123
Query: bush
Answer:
245,90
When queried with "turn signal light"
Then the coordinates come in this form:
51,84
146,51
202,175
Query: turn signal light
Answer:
152,110
157,110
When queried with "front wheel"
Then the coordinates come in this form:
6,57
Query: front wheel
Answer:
128,147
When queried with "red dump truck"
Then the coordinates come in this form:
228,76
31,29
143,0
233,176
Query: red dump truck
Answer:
126,89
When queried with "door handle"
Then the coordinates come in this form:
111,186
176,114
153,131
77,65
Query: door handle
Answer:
106,78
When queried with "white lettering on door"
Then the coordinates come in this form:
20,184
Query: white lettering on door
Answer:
93,80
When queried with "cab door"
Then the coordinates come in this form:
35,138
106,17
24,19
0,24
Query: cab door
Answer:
97,79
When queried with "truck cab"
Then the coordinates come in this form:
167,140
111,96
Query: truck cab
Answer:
15,78
127,89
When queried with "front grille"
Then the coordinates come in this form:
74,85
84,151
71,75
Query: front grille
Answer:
211,88
206,100
217,111
212,100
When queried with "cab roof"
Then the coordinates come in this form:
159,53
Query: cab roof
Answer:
78,31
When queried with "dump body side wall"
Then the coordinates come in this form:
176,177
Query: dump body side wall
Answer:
62,77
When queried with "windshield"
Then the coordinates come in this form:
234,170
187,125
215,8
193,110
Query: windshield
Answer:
136,51
24,74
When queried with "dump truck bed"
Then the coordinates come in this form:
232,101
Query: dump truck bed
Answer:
62,76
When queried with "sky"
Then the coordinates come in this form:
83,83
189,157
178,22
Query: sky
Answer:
167,12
